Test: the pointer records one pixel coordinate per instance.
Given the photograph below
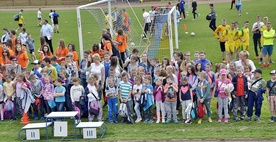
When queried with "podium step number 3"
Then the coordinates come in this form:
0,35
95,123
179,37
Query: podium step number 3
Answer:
89,133
60,129
32,134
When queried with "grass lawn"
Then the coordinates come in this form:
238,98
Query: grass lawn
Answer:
202,41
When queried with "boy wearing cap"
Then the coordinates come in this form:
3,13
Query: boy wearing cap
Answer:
223,93
255,95
37,69
271,94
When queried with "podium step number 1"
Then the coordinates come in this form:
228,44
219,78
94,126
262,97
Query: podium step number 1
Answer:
89,133
32,134
60,129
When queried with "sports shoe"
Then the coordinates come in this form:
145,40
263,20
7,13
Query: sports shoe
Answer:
257,57
268,65
263,66
168,121
256,118
138,120
183,120
226,120
271,61
242,118
188,122
150,121
163,120
41,118
199,121
224,61
237,119
260,62
248,119
272,119
210,120
157,121
219,120
36,118
146,121
175,121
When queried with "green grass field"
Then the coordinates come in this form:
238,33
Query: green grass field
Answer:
202,41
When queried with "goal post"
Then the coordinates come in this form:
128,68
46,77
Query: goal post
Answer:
92,19
173,15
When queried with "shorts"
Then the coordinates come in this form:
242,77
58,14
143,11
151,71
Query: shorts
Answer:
245,47
230,47
237,45
55,22
222,46
31,51
238,7
267,49
20,25
272,103
39,19
125,28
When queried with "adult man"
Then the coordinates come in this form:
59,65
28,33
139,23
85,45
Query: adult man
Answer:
268,35
146,21
244,36
55,20
115,15
39,17
256,29
219,35
212,13
47,32
203,61
229,36
21,20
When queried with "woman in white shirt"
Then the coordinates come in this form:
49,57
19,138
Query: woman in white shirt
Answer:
97,68
244,60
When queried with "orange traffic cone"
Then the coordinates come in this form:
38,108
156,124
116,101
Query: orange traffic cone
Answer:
184,27
25,119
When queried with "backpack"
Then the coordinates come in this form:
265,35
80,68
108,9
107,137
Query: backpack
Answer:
200,110
143,99
122,110
115,51
9,105
194,112
16,17
171,93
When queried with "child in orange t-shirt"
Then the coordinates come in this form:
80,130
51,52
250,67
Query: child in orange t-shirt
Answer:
22,57
107,43
61,51
121,41
171,90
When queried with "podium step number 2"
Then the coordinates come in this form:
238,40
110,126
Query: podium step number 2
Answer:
89,133
60,129
32,134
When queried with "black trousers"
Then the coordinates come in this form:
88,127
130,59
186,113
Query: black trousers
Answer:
257,41
50,44
146,29
212,24
183,12
232,3
194,13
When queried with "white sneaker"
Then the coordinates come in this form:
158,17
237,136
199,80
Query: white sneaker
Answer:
163,120
157,121
138,120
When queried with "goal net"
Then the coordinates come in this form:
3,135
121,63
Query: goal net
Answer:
163,38
94,17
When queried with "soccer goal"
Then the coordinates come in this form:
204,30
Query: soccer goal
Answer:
162,33
92,18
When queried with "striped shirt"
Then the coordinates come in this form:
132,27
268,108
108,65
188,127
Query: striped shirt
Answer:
125,88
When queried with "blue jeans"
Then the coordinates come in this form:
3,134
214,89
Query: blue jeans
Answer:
252,102
112,107
84,82
60,106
